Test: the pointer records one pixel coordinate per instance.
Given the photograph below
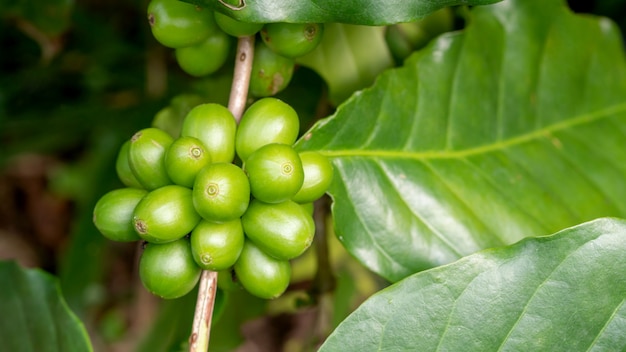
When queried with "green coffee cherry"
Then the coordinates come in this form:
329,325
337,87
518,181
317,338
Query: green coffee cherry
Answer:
176,24
260,274
206,57
184,159
122,167
318,175
271,72
309,208
113,214
235,27
146,157
215,126
170,118
216,246
221,192
268,120
165,214
405,38
292,39
284,230
275,173
168,270
226,280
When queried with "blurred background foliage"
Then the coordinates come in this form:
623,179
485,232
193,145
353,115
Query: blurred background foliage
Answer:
78,78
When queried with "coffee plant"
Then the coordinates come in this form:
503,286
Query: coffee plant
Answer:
334,176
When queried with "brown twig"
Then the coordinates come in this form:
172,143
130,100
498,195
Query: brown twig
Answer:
241,76
201,328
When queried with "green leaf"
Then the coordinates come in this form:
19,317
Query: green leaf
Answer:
365,12
514,127
349,58
35,316
564,292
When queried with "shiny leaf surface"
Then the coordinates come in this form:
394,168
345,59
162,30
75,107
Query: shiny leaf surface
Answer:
35,316
564,292
365,12
513,127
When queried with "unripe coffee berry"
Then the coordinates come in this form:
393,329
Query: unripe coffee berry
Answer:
184,159
176,24
168,270
235,27
122,167
292,39
271,72
206,57
260,274
221,192
215,126
318,175
165,214
268,120
216,246
146,157
113,214
275,172
284,230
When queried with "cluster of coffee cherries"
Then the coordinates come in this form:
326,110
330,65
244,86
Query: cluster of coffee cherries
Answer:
202,41
224,197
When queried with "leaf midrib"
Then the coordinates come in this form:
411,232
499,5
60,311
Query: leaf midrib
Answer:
546,131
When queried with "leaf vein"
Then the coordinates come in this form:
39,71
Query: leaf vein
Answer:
435,232
367,229
456,154
539,287
608,322
585,175
497,185
548,190
470,210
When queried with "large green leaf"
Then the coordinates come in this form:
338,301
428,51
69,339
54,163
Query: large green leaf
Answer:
34,314
365,12
564,292
514,127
